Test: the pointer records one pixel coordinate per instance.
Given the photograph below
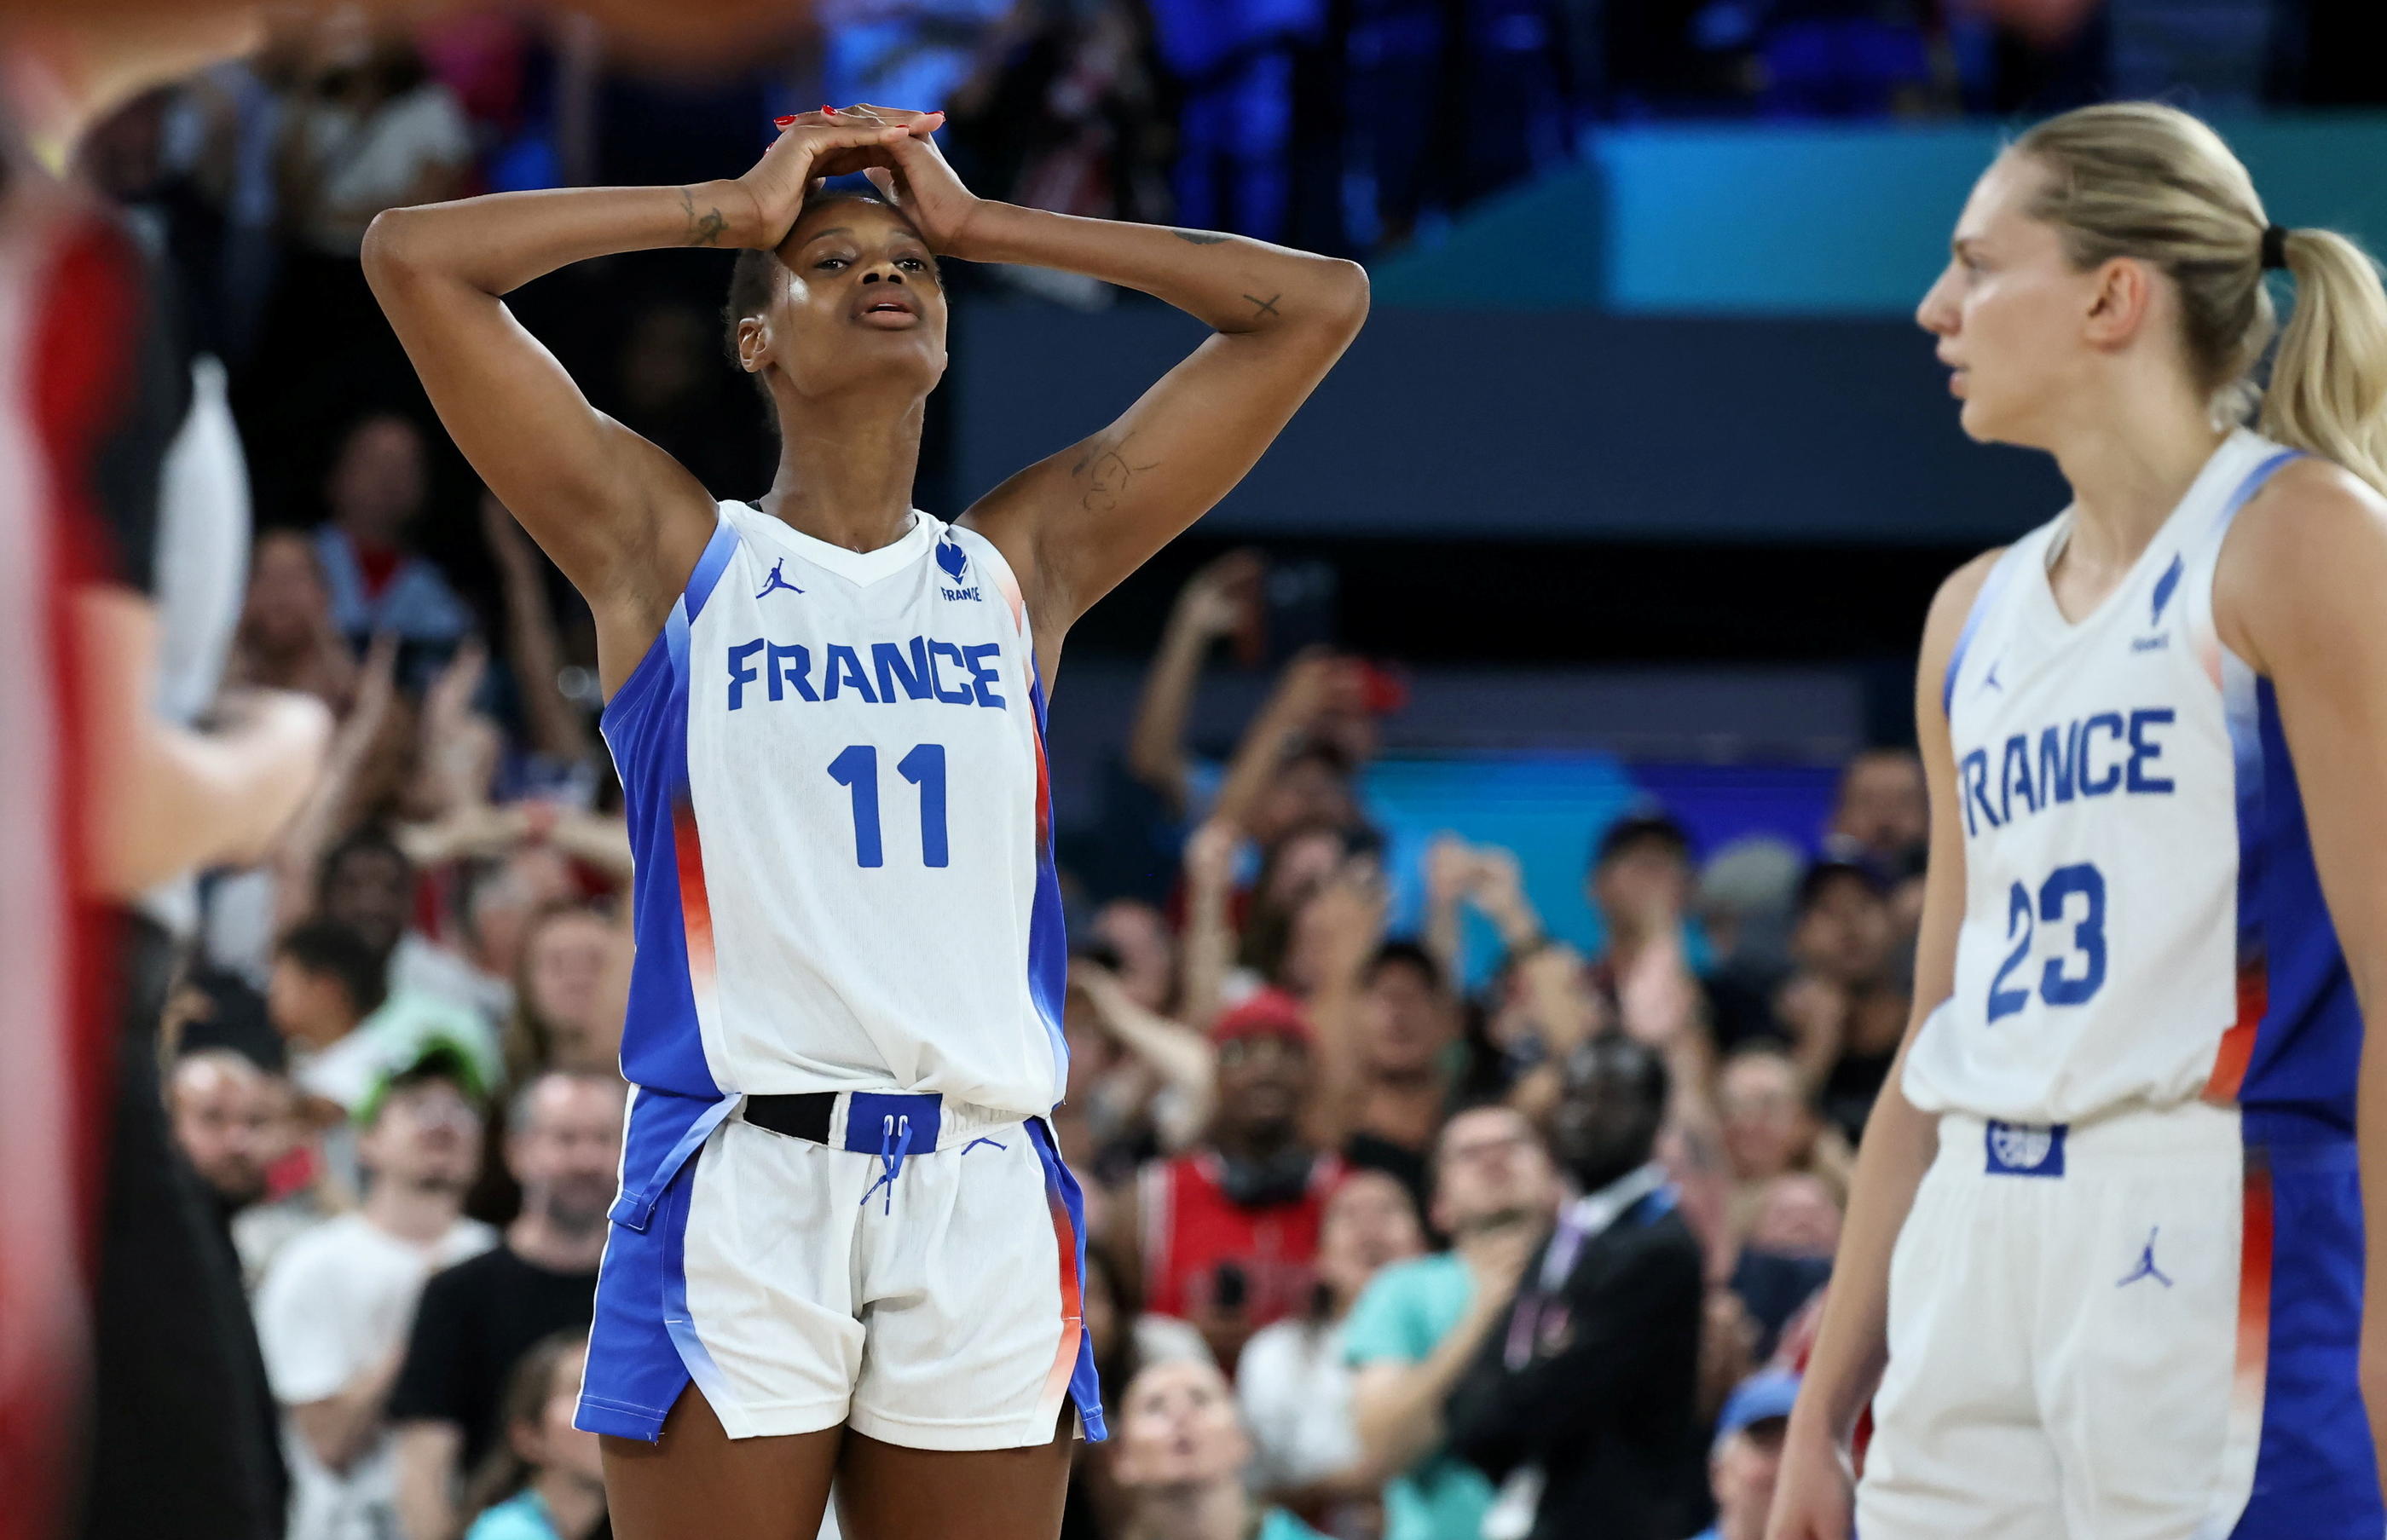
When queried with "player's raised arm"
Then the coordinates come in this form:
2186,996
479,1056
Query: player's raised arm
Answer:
1076,523
1814,1499
589,490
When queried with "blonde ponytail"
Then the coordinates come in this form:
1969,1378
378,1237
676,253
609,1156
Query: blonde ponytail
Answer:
2149,182
2329,383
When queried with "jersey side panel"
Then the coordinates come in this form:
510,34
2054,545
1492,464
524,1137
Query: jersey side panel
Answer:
672,981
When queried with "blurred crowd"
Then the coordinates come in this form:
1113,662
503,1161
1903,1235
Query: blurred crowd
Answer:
1393,1232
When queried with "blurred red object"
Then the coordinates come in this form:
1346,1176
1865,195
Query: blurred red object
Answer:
1384,689
2045,22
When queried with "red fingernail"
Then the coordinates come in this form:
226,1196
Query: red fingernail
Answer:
783,122
830,110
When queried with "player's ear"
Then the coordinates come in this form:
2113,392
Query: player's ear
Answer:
753,344
2123,294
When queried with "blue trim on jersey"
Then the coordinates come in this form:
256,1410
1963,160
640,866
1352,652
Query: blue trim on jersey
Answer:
2242,713
1982,601
2308,1044
638,1361
2309,1040
2316,1476
1048,940
646,726
1085,1387
2254,482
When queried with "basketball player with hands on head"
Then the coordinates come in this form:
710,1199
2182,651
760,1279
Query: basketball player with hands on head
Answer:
2103,1274
845,1243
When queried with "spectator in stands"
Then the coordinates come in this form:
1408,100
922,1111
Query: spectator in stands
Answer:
329,999
1639,880
327,979
1582,1401
1787,1254
560,1018
367,129
544,1479
287,638
306,1195
1140,1082
1881,819
1295,1379
1768,1124
1845,1006
563,1146
1744,901
332,1313
377,582
1181,1455
1396,1043
1229,1230
1145,948
224,1121
1420,1323
1747,1453
1126,1338
368,883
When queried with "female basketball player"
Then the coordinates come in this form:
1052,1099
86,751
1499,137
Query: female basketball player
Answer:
844,1240
2126,1296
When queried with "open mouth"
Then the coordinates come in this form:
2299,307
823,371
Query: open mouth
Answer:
891,309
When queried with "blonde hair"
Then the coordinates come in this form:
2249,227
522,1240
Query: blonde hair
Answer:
2144,181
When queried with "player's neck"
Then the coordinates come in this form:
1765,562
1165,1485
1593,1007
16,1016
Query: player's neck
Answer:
846,468
2129,469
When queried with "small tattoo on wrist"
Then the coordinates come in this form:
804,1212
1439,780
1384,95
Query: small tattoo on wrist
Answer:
702,229
1198,238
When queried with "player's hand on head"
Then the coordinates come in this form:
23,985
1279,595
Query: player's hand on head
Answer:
918,180
811,146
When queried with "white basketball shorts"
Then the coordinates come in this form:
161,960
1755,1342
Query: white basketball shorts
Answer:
2142,1328
915,1276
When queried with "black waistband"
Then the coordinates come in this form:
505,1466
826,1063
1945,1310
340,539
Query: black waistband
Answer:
804,1116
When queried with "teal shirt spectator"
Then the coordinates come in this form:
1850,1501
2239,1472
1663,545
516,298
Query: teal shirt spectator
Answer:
1401,1317
1276,1524
520,1516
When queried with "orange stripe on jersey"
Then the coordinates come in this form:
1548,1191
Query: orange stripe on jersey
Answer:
2246,1385
1073,1322
695,904
2236,1049
1043,797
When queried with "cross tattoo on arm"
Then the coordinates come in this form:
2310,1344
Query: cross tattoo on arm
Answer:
1267,307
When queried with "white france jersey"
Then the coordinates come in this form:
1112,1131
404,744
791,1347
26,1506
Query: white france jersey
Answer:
834,769
2142,923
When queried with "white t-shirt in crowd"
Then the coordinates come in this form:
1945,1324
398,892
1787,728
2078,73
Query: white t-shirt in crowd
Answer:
1296,1389
371,163
336,1301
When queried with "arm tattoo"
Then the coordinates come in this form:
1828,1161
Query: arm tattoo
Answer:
703,229
1106,471
1198,238
1267,307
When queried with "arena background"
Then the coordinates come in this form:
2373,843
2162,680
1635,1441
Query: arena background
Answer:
1628,501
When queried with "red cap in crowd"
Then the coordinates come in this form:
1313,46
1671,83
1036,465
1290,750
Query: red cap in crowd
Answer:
1270,1012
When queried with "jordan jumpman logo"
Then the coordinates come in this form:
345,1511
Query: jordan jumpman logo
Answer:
774,583
2146,1268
